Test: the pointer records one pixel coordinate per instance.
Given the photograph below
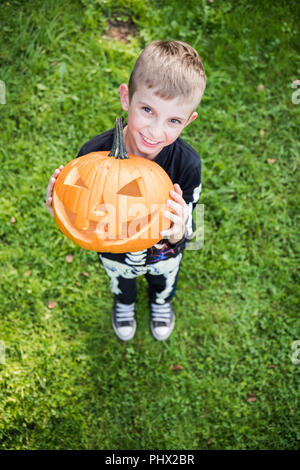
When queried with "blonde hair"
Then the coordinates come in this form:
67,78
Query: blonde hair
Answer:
172,68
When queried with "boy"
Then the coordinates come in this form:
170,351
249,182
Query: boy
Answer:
165,88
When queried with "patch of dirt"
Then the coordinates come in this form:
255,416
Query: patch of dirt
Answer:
121,30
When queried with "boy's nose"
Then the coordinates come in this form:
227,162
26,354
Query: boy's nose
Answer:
156,133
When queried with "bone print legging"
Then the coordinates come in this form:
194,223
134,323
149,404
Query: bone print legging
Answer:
160,266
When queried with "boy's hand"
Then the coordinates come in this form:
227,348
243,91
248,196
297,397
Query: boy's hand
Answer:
179,217
50,189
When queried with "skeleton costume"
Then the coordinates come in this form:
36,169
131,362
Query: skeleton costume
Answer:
161,263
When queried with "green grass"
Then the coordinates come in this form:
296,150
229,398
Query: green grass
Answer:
67,383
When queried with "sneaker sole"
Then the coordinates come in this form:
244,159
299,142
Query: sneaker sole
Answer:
124,338
159,338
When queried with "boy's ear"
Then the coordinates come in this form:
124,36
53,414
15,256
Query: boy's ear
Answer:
192,118
124,96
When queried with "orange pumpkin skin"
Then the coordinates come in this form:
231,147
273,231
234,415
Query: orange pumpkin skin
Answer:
108,204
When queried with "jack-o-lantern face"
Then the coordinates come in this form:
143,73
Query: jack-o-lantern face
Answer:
110,204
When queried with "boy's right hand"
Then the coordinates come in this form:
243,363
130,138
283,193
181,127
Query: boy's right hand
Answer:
50,189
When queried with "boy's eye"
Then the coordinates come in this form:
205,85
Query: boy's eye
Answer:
145,108
175,121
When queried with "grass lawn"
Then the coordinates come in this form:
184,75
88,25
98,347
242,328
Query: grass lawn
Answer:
228,377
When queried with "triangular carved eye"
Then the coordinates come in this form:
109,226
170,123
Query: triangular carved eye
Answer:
74,179
131,189
81,183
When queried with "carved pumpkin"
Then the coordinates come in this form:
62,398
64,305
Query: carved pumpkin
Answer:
111,201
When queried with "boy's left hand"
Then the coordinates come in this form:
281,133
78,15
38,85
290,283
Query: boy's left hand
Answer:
178,217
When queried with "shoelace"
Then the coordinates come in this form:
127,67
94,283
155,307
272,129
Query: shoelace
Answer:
124,312
161,313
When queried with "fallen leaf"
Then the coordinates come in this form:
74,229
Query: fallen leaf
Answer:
271,366
69,258
209,442
78,284
199,286
251,398
13,220
291,411
176,367
271,160
84,274
27,273
262,132
260,87
52,304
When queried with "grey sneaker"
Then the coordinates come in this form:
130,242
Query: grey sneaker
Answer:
162,320
123,320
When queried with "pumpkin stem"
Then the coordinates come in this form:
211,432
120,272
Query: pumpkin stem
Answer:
118,148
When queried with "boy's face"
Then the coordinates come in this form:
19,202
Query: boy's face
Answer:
153,122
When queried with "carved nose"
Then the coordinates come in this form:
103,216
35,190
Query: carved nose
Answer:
131,189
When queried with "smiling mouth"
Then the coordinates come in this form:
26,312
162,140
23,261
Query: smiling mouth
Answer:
149,141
